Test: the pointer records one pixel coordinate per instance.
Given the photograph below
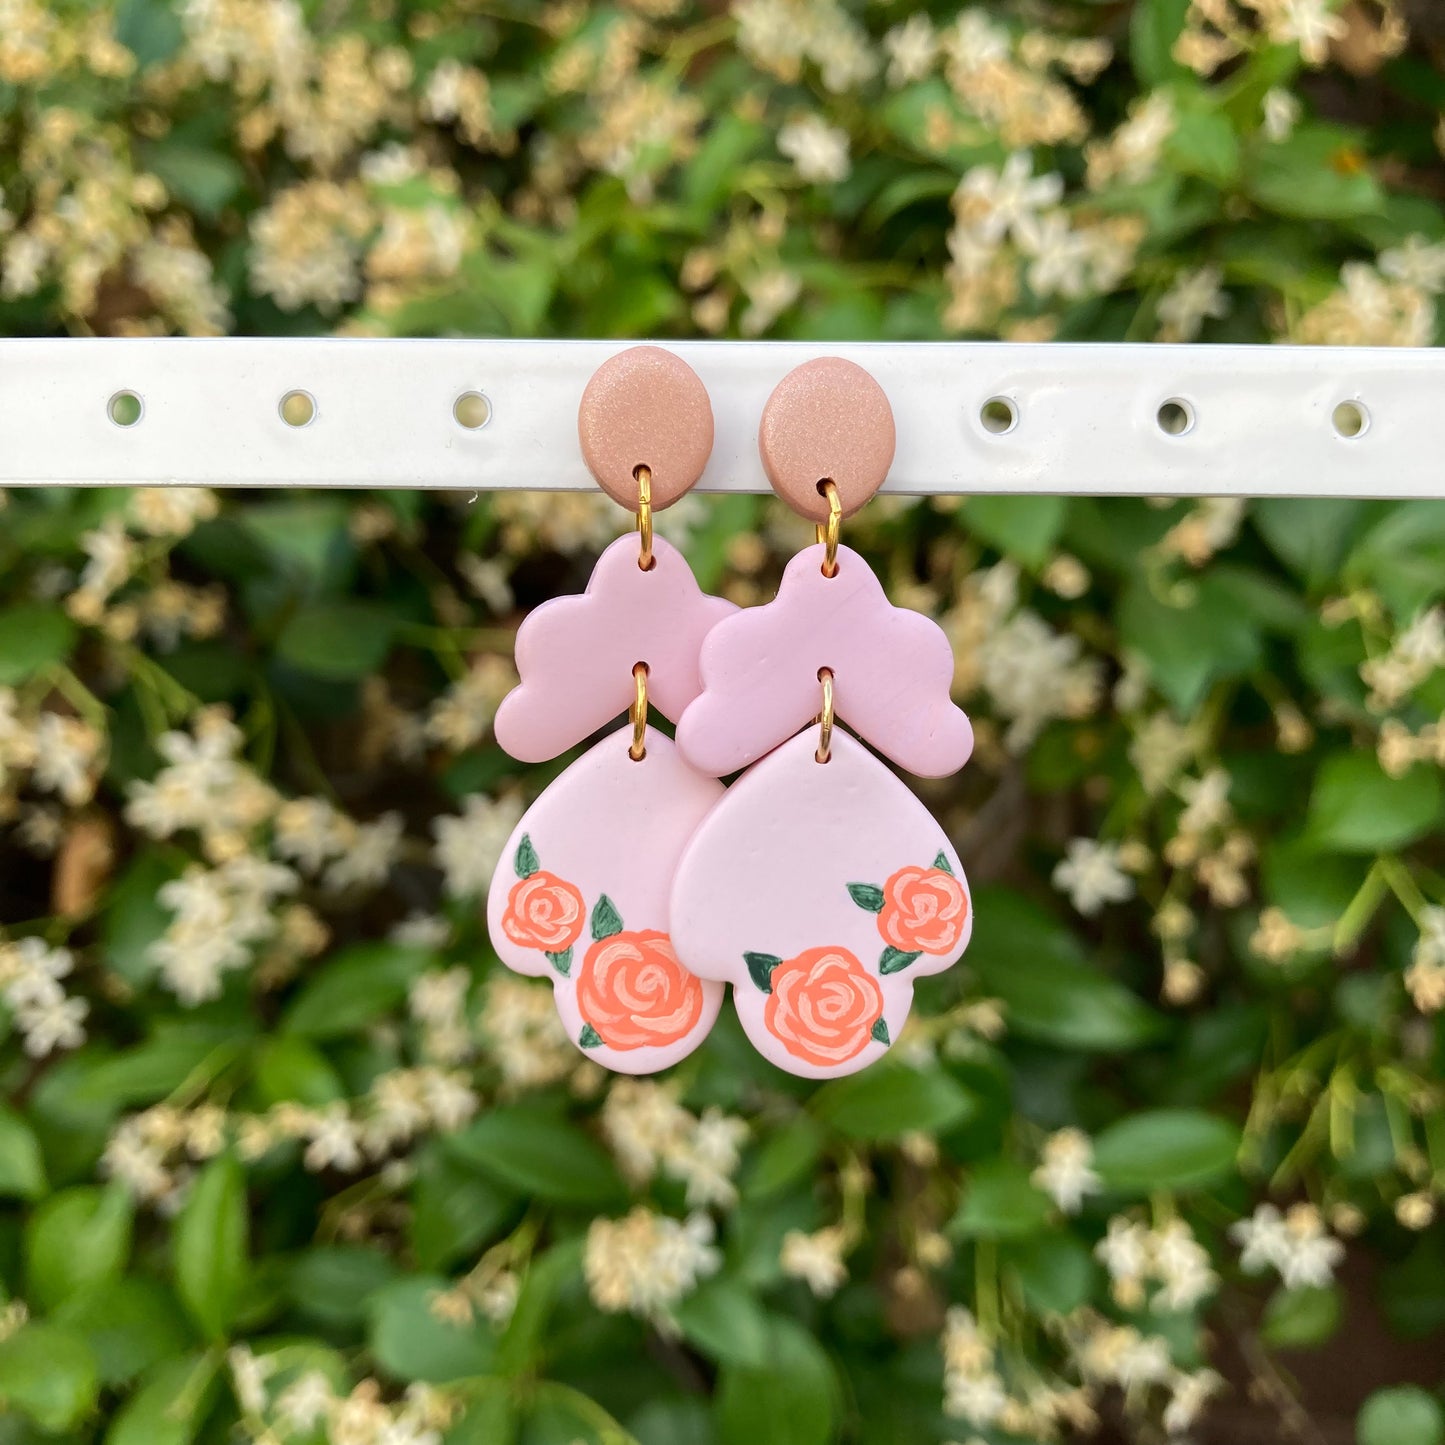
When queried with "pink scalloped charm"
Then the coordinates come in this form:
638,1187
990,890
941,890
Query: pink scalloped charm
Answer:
575,655
583,895
892,674
821,892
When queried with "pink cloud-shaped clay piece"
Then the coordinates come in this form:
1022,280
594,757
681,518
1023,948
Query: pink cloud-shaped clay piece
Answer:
575,655
892,674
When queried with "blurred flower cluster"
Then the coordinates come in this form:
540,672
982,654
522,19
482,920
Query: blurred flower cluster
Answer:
287,1157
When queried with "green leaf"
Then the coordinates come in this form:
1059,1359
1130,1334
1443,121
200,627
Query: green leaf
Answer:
333,1283
1056,1271
291,1069
342,641
867,895
1154,27
1403,1415
1025,528
589,1038
1356,807
1190,645
792,1399
130,1325
22,1173
172,1404
942,863
206,180
725,1322
48,1373
33,636
880,1034
549,1275
783,1157
412,1342
1022,956
1204,144
538,1153
606,920
1166,1149
353,990
1318,174
209,1246
1001,1203
1302,1319
78,1239
454,1211
760,969
562,962
895,960
1309,535
525,861
892,1099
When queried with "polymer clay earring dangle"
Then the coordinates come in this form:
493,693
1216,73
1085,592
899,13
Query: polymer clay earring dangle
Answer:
819,886
582,893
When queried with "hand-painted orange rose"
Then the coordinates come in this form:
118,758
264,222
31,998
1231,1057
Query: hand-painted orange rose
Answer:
635,993
544,911
924,910
823,1006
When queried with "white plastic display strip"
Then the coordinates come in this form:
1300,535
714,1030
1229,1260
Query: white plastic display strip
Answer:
1107,420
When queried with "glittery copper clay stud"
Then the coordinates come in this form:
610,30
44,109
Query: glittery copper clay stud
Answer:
645,407
827,420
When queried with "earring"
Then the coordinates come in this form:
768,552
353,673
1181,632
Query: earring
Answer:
819,886
582,893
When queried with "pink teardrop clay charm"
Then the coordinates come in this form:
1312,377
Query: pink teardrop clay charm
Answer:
820,891
582,897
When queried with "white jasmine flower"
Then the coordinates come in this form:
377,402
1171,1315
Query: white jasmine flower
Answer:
818,151
1194,298
1090,874
249,1374
1066,1174
335,1140
1416,262
995,202
66,753
1282,110
645,1263
369,855
816,1258
912,48
469,848
305,1402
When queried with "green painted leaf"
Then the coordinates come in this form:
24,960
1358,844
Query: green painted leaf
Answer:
525,861
1001,1203
760,968
589,1038
33,636
562,962
893,1099
880,1033
895,960
209,1246
867,895
605,919
538,1154
1402,1415
1356,807
75,1241
172,1404
942,863
22,1173
1166,1149
48,1373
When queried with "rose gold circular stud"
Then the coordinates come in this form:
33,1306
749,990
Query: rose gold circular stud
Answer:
826,421
645,407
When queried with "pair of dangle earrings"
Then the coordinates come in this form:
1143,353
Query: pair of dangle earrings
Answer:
817,884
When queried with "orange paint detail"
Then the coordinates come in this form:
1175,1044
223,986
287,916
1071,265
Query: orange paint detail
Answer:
635,993
924,911
545,912
823,1006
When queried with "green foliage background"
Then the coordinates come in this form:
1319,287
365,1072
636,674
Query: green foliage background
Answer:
1223,721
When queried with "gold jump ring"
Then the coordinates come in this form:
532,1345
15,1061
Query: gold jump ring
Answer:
644,516
825,718
638,712
828,531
